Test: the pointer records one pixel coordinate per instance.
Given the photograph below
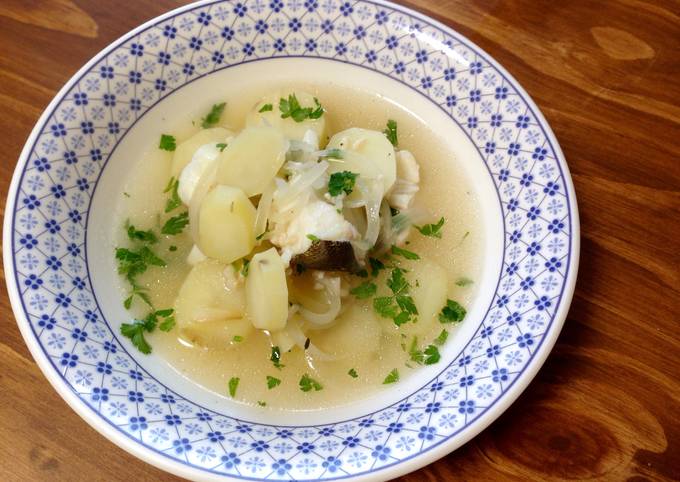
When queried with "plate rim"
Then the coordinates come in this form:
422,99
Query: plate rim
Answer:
416,461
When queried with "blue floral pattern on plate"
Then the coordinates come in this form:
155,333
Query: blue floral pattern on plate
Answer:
59,178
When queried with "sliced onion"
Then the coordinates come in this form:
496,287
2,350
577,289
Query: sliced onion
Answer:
299,183
373,193
320,320
263,209
295,331
205,183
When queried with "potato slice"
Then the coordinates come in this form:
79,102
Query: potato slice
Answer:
185,150
368,145
267,292
252,159
290,128
356,332
226,223
429,295
210,306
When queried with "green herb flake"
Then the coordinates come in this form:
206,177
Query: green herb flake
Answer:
167,143
221,146
308,384
245,268
261,403
391,377
135,234
313,238
169,322
453,312
174,201
213,116
432,230
276,357
340,182
176,224
237,339
291,107
385,307
266,108
352,373
135,332
364,290
463,282
441,338
172,248
376,266
126,194
431,355
391,132
333,154
405,253
272,382
233,385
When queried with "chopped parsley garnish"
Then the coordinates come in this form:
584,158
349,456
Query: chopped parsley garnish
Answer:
313,238
405,253
176,224
452,312
364,290
172,248
213,116
138,235
266,108
391,377
441,338
376,266
245,267
307,384
237,339
400,306
174,201
135,330
276,357
432,230
136,291
463,281
132,263
272,382
221,146
352,373
340,182
391,132
291,108
126,194
167,143
233,385
261,403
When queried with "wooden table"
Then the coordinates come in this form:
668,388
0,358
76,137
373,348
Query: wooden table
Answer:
605,74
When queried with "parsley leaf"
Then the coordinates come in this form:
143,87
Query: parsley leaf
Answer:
432,230
261,403
237,339
397,282
452,312
276,357
441,339
174,201
391,132
233,385
266,108
352,373
406,304
364,290
135,332
405,253
376,266
313,238
167,143
138,235
385,307
463,281
213,116
221,146
391,377
291,107
341,182
176,224
167,324
307,383
272,382
431,354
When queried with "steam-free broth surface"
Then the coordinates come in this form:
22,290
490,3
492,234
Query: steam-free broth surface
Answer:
359,340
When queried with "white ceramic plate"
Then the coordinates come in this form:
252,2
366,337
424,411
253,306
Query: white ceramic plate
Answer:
62,286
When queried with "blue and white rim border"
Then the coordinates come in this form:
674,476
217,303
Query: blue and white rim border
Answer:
420,458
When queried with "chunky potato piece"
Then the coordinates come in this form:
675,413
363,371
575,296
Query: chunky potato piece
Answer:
226,224
267,292
252,159
185,150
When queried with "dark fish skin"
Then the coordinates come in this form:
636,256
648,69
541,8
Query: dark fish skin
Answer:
326,256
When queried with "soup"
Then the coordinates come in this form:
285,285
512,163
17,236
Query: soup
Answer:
292,249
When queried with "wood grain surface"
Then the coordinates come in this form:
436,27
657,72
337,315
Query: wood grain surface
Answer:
606,405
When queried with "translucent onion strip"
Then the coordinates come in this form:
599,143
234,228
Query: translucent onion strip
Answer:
301,181
264,208
319,320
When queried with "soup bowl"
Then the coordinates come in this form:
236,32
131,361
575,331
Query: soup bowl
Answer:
64,288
